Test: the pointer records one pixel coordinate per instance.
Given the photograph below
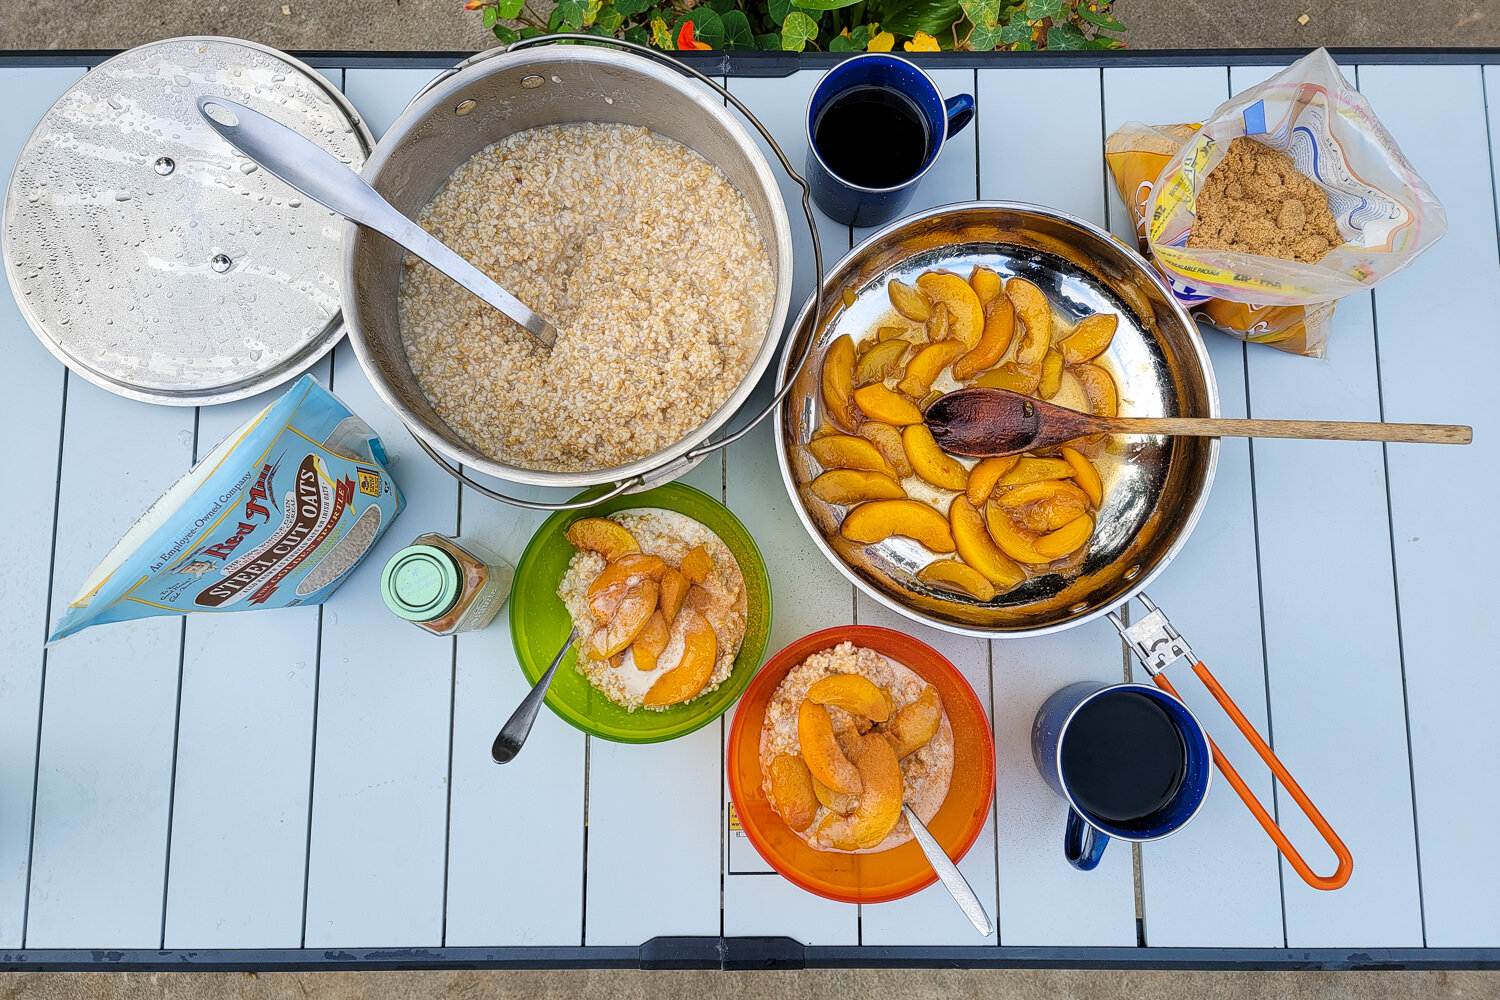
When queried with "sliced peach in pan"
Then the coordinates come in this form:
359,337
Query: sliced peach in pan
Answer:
1068,538
999,328
697,564
984,476
851,486
1039,491
878,520
1049,515
838,383
700,653
931,462
1035,313
852,693
887,441
653,639
879,403
601,535
965,312
1090,338
1013,376
899,332
1014,540
834,801
986,284
636,608
792,794
925,366
937,323
1104,400
880,362
1029,470
1085,475
911,728
845,451
950,574
977,549
909,301
1052,369
821,750
674,588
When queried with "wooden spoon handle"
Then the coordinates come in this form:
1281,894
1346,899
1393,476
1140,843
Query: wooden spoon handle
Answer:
1321,430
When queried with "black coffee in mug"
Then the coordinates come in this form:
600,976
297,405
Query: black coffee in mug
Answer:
872,136
1124,758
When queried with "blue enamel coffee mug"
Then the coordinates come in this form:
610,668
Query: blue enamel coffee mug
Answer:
843,199
1111,745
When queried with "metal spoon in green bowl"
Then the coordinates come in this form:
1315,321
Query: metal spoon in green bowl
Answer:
508,741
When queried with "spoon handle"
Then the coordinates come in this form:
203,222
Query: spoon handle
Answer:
953,879
1319,430
320,175
508,741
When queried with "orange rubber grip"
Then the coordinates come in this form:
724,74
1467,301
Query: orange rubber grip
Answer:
1267,822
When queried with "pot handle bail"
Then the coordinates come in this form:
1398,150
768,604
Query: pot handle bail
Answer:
625,486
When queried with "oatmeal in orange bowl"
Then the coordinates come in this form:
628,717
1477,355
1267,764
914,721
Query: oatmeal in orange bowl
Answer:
832,735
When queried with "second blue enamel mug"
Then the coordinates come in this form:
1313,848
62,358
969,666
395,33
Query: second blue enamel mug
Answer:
849,202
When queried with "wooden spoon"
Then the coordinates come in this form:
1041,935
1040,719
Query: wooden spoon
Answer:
982,422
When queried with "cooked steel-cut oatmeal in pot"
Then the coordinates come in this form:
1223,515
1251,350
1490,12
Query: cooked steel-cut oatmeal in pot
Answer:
848,735
659,604
644,255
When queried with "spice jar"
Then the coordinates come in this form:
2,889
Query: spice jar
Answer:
446,585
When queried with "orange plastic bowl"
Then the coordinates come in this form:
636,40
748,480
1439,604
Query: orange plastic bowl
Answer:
887,875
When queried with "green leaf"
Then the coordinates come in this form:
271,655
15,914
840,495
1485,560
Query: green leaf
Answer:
797,30
610,20
769,42
932,16
629,8
984,13
706,26
555,19
1025,47
574,13
860,37
1015,32
510,9
637,33
985,39
1065,37
661,35
1099,18
840,43
737,34
491,15
824,4
1038,9
1104,42
506,35
778,10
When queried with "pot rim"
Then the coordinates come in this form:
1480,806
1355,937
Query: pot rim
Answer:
1141,582
644,471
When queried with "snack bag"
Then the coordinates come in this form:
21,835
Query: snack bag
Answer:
1386,213
277,515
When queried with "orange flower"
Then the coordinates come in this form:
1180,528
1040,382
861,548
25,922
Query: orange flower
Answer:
476,4
685,40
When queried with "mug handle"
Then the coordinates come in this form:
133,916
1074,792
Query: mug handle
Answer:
1083,845
960,111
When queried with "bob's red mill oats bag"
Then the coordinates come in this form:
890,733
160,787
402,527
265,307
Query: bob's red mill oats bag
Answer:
276,516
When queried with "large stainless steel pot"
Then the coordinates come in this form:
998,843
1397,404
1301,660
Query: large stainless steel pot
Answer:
1155,486
500,92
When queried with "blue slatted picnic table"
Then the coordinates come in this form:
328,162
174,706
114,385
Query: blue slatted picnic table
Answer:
312,786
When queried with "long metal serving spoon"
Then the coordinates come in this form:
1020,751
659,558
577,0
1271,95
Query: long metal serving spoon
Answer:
318,174
981,422
953,879
508,741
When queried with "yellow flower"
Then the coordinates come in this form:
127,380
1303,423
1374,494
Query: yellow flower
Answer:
923,42
882,42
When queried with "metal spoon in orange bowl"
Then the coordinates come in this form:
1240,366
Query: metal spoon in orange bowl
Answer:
980,423
953,880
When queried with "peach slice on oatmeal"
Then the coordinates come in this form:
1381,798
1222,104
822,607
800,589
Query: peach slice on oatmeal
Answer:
999,328
821,750
950,574
887,441
1089,338
986,284
1035,313
984,476
697,564
653,639
911,728
879,403
909,301
611,585
838,383
852,693
601,535
931,462
845,451
879,807
700,652
674,587
965,312
925,366
850,486
836,801
978,549
636,608
1085,475
877,520
792,794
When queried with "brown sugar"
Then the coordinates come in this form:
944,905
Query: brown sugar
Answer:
1256,201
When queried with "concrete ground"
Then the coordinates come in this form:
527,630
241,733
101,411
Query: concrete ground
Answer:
445,25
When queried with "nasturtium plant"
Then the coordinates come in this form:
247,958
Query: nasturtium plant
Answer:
830,25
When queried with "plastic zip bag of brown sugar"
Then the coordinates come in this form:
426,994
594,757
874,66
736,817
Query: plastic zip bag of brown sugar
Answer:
1384,212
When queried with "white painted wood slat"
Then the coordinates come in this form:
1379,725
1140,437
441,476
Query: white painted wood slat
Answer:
31,397
1447,302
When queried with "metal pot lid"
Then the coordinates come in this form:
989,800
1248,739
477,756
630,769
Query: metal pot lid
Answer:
154,260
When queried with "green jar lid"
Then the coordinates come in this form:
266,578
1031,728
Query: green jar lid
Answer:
420,583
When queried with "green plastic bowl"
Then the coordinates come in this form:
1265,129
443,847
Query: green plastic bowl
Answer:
539,621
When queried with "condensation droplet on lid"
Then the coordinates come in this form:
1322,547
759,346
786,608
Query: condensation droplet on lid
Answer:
114,103
164,165
182,81
294,202
220,262
248,168
122,196
557,79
